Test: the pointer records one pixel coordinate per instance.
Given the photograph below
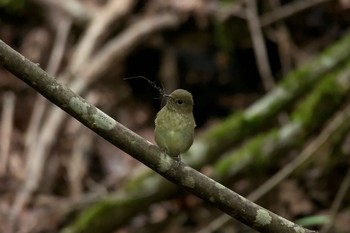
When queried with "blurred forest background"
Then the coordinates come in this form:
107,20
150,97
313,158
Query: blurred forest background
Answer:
271,84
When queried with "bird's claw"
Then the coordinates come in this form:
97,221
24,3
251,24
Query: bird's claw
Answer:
178,160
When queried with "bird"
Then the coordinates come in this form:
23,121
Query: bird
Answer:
175,123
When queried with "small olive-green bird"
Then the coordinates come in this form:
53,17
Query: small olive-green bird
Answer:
175,124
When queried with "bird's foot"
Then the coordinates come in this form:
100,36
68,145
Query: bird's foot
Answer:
178,160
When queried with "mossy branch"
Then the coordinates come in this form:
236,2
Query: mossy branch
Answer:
328,96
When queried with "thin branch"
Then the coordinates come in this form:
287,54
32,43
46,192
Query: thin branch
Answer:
282,37
35,165
73,8
111,13
121,45
62,33
288,10
261,57
344,187
193,181
6,129
55,60
77,164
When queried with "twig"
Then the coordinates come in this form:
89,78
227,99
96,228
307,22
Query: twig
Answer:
168,69
120,46
77,165
36,164
161,90
6,129
226,10
344,187
282,38
193,181
287,10
74,8
110,14
62,34
261,57
59,47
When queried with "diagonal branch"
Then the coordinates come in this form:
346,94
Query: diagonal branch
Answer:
193,181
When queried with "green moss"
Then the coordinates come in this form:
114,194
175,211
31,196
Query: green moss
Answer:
323,101
304,76
230,131
252,150
311,113
101,217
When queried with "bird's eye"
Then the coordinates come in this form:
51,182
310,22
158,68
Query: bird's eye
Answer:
179,102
